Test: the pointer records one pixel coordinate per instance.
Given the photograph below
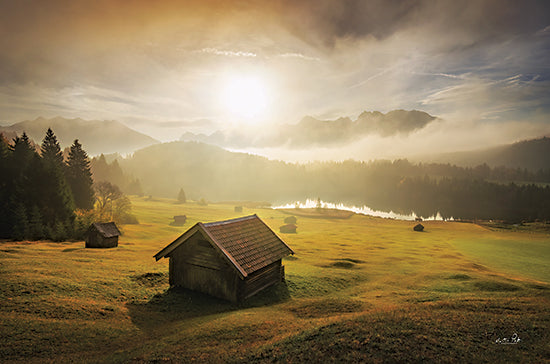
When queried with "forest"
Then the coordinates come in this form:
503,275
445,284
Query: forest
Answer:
48,194
212,173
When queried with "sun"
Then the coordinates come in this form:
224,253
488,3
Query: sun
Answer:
244,96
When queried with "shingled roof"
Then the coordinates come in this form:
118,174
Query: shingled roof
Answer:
247,242
106,229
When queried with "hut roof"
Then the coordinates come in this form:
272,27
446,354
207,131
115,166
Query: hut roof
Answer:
106,229
247,242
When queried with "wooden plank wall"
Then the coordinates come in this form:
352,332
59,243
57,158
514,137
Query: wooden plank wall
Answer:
196,265
261,279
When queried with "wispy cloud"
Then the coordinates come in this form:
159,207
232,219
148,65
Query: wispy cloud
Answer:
226,53
300,56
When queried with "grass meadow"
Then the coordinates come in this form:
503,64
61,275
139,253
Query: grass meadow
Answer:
362,289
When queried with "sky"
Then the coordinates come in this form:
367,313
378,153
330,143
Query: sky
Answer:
251,68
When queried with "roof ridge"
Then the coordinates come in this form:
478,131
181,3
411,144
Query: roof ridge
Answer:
230,221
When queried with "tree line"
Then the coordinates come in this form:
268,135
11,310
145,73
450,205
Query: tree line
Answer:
206,171
44,195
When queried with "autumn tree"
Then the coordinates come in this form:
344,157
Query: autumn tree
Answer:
106,194
112,204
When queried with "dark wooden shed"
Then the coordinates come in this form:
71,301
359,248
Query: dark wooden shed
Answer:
179,220
102,235
232,259
288,229
418,227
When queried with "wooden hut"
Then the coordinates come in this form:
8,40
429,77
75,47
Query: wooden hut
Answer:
179,220
288,229
232,259
418,227
238,209
102,235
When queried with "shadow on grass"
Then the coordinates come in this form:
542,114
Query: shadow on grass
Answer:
179,304
67,250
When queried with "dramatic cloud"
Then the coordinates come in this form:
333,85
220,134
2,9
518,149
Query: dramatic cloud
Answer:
153,64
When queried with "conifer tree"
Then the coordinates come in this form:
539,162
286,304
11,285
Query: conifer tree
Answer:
79,177
20,172
56,197
181,196
35,227
50,149
5,177
20,222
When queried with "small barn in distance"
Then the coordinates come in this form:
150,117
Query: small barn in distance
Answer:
418,227
232,259
288,229
102,235
179,220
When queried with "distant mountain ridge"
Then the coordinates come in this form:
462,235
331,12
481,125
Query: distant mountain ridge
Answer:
312,132
533,154
107,136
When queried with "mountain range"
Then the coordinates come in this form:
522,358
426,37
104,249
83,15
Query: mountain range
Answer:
107,136
311,132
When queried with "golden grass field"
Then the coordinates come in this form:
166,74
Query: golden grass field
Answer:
361,289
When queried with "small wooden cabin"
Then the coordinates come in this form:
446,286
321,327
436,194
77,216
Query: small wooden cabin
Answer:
102,235
418,227
179,220
288,229
232,259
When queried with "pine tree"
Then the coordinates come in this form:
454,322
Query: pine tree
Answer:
56,198
181,196
59,232
20,172
20,222
79,177
36,229
50,149
5,178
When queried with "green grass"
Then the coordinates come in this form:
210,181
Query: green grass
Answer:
517,253
358,289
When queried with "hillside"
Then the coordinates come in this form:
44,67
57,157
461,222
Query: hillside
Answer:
207,171
107,136
210,172
357,290
530,154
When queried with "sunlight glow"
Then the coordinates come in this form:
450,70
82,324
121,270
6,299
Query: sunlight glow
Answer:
244,96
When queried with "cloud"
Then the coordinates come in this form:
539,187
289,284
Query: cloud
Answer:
161,62
218,52
299,56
